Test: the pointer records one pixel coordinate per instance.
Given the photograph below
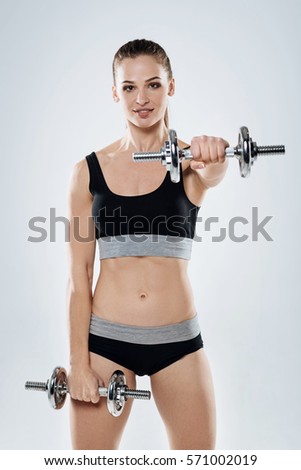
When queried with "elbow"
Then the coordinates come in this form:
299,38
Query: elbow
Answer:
79,282
90,274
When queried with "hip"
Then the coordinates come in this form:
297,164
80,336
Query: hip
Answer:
144,350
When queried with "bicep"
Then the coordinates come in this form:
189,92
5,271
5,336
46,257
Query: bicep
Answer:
81,240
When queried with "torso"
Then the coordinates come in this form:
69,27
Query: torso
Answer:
149,291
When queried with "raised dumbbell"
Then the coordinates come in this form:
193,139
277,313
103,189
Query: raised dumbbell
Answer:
116,393
171,155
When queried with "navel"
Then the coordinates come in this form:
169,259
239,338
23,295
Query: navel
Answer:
143,295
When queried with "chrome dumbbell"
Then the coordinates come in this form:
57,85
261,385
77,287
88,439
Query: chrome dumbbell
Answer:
116,393
171,155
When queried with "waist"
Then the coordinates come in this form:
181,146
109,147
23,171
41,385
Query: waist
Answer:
144,290
171,333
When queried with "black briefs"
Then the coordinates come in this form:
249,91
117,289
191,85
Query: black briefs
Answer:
144,359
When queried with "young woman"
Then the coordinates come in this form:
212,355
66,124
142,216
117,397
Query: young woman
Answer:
141,317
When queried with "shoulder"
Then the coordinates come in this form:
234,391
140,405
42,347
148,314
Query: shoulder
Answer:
80,170
109,151
79,178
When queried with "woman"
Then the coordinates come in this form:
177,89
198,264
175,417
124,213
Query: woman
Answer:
141,317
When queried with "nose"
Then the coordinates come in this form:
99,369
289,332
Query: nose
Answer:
142,98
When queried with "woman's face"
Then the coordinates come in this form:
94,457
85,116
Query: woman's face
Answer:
142,87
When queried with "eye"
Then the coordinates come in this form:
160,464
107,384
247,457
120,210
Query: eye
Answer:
154,85
128,88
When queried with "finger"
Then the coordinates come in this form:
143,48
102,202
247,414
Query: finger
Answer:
100,382
195,149
221,149
86,397
196,162
203,142
95,397
197,165
74,394
212,147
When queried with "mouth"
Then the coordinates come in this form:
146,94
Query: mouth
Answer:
143,112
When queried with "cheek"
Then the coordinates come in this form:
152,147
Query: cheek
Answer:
126,100
160,97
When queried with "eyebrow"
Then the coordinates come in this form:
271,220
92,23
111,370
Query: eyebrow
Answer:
146,81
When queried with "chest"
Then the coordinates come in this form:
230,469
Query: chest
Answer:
132,207
133,180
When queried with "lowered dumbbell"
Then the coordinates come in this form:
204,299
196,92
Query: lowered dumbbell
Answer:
171,155
116,393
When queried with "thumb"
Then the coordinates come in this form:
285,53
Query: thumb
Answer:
100,381
197,165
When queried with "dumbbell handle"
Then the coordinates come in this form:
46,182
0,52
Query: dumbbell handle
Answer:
229,152
258,149
103,391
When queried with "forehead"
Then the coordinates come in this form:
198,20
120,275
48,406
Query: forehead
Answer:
140,68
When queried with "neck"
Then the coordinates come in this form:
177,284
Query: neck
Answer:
151,139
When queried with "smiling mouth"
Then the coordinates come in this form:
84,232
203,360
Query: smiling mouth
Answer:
143,112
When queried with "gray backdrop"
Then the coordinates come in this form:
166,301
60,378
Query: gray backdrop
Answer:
235,63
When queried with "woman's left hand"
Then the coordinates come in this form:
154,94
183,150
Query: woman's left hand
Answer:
206,150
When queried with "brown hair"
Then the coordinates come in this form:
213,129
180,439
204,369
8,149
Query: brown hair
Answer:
137,47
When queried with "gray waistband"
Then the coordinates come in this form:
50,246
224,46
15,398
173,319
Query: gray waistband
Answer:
144,245
175,332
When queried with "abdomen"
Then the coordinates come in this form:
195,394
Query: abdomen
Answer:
149,291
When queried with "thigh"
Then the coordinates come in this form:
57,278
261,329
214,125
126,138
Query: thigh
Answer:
184,395
92,426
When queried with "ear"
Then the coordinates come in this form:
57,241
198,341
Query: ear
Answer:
114,94
171,87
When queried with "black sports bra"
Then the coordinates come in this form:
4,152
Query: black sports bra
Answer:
159,223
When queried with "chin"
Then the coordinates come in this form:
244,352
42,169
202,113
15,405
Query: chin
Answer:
147,123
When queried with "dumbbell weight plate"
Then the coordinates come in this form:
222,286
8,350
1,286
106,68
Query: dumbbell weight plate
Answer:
56,388
175,161
115,396
245,152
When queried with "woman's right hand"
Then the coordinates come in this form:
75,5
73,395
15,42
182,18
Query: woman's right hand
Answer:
83,384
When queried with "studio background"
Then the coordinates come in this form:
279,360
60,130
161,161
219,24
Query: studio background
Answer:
235,63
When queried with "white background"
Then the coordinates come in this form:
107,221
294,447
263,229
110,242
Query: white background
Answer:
235,63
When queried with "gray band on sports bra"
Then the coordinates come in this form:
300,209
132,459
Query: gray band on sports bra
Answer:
175,332
144,245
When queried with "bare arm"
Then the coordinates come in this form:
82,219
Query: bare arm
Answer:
82,381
